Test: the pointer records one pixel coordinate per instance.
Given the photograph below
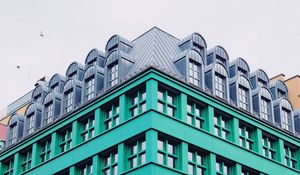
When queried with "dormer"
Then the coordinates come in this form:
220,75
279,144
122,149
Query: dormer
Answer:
279,89
71,98
93,82
15,129
95,57
283,113
239,67
262,102
57,83
33,115
217,55
117,42
194,41
51,107
259,78
75,70
39,92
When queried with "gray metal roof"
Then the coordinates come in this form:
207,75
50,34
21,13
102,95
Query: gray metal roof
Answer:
220,51
51,96
192,54
261,74
74,67
32,107
240,62
280,85
263,91
71,83
15,118
97,56
241,79
283,102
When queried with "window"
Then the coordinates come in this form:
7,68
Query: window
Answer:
220,85
110,164
13,134
243,98
138,102
30,124
112,115
246,139
261,83
167,153
196,165
268,147
38,98
195,114
248,172
265,109
280,93
223,168
221,60
87,131
90,88
26,160
194,73
290,156
242,72
65,140
9,167
45,148
166,102
286,119
86,169
137,153
113,74
55,87
69,100
222,126
48,113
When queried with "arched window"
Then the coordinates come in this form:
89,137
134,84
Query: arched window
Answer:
194,41
283,112
117,42
39,93
57,83
71,95
75,70
217,54
239,67
240,92
51,108
93,82
259,78
33,116
15,130
95,57
263,103
279,89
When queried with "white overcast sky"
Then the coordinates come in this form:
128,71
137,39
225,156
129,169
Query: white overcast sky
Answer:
264,32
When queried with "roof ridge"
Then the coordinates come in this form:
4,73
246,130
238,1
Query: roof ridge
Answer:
155,28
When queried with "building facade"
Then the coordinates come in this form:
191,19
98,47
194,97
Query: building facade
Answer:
155,105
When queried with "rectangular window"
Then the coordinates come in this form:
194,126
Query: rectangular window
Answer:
87,128
86,168
26,160
90,88
113,74
167,153
45,150
30,123
9,167
286,119
112,115
195,114
247,171
246,138
223,167
166,102
265,109
194,73
65,140
49,113
196,162
222,126
69,100
13,134
137,153
269,149
110,163
220,85
290,156
138,102
243,98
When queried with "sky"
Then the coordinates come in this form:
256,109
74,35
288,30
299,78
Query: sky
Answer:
265,33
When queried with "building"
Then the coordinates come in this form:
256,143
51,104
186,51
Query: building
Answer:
155,105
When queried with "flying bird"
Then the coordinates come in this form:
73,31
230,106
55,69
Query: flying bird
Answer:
18,66
41,34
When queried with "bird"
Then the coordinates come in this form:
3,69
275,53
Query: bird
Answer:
41,34
18,66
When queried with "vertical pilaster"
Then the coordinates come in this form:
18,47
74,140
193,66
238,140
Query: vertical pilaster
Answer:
1,168
151,146
151,94
210,114
121,158
96,165
17,164
280,151
54,144
237,169
35,155
123,115
182,106
75,133
258,141
183,158
211,164
73,170
97,121
235,130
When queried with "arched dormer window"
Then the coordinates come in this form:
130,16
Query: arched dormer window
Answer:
297,121
93,82
283,112
239,67
191,65
117,66
75,70
71,95
51,107
33,115
216,80
194,41
95,57
262,101
259,78
217,54
39,93
240,92
117,42
15,130
279,89
57,83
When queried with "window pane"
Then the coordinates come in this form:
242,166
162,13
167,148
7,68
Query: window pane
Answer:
160,158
